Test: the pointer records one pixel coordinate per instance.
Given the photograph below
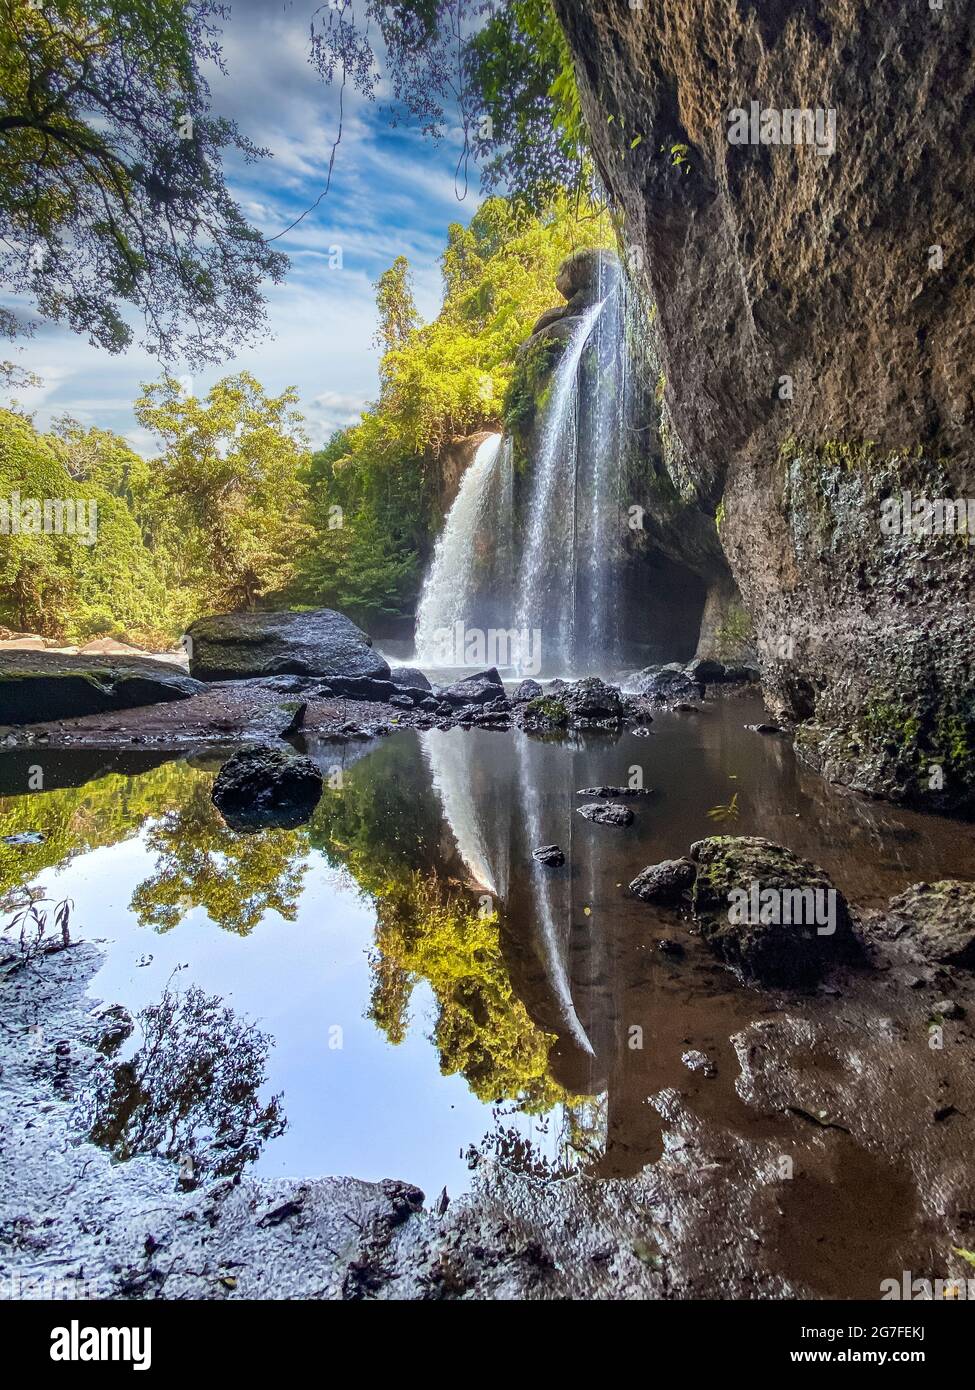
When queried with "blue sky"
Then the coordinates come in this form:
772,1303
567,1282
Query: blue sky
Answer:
393,192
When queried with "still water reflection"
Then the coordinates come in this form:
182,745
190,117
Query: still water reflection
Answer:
425,987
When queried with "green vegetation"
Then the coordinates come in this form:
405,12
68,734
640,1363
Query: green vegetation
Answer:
112,193
373,490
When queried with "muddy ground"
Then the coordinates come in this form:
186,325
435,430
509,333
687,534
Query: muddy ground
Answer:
875,1175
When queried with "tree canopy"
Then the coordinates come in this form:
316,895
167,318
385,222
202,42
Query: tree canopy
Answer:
112,190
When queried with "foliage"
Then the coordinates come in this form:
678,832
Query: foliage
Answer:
438,381
191,1092
229,470
112,192
54,582
505,76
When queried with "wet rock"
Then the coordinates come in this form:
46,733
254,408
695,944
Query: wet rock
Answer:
705,672
36,686
939,918
295,722
321,642
479,689
699,1061
411,677
948,1008
545,712
766,911
686,709
614,791
430,703
667,685
593,699
606,813
527,690
401,701
549,855
669,947
666,882
765,728
587,270
262,786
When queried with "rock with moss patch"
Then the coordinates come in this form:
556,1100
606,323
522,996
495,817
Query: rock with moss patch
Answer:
320,642
37,685
768,912
939,918
666,882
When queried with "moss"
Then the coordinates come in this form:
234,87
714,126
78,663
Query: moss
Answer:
553,711
530,383
735,634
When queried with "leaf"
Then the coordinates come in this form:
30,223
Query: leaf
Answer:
637,141
968,1255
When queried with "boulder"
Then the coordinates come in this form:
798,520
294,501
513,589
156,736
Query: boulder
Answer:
669,684
704,671
940,919
587,270
606,813
550,855
480,689
36,686
263,786
766,911
239,646
549,317
593,699
527,690
410,677
608,792
666,882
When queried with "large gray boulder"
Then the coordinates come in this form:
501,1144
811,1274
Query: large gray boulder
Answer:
321,642
37,686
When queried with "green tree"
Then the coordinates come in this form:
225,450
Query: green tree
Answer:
230,468
112,193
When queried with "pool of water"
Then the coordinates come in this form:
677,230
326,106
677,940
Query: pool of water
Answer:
426,989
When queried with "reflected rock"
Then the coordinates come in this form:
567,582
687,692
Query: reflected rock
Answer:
260,787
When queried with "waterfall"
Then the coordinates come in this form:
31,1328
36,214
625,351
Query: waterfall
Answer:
544,565
455,583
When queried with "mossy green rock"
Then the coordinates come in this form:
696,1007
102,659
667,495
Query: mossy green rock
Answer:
801,927
320,642
37,686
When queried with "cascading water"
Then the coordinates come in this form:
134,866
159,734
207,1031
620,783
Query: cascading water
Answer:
545,588
544,566
455,585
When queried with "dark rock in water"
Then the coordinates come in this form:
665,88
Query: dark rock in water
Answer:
939,918
593,699
740,675
401,701
410,677
669,685
237,646
480,689
297,719
550,855
545,712
36,686
666,882
614,791
669,947
765,728
704,671
606,813
262,786
775,916
431,703
527,690
687,709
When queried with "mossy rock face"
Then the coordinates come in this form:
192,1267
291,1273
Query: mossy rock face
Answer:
37,686
769,913
545,712
940,919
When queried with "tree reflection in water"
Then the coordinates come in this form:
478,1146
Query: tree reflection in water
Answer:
191,1092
